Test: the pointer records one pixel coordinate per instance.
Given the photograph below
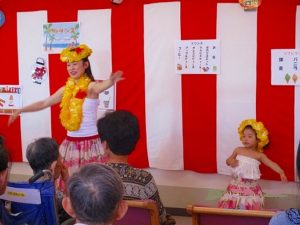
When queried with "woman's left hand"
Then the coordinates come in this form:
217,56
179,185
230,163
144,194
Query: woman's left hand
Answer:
116,76
283,177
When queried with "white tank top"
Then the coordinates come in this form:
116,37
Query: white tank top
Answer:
88,125
248,168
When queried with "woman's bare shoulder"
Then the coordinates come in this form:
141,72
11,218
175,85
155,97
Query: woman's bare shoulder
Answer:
239,150
92,89
246,152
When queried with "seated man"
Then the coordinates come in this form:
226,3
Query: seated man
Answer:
119,132
290,216
95,195
3,166
4,161
42,154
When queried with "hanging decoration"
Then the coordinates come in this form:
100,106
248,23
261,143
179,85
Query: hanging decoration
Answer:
117,1
39,71
250,4
2,18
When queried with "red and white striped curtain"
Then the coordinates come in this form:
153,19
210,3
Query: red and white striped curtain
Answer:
187,121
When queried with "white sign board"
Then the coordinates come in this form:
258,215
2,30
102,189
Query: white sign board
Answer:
10,98
107,99
23,195
285,67
197,57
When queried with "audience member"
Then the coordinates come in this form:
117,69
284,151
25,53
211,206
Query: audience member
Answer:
4,165
292,215
42,154
95,196
119,132
4,162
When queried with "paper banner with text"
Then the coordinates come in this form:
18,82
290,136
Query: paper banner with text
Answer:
285,67
60,35
197,57
10,98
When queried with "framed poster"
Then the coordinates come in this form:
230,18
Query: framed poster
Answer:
197,57
10,98
107,99
60,35
285,67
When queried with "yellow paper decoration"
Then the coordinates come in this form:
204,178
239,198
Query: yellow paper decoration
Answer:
75,54
260,130
72,100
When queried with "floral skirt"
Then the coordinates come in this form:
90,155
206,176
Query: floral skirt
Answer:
242,194
79,151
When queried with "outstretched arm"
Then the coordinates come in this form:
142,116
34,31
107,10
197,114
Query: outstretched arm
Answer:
98,87
231,160
37,106
274,166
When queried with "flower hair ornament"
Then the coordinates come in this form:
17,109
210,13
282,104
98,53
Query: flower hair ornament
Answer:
75,54
260,130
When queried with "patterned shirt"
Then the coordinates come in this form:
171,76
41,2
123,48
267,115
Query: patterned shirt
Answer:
139,185
288,217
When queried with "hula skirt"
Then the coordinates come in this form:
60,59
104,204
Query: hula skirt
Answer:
79,151
242,194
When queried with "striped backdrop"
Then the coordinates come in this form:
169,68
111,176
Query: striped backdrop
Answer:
187,122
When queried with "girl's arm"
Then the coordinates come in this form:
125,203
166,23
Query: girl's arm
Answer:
231,160
274,166
37,106
98,87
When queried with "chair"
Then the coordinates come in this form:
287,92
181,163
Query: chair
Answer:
32,204
140,212
219,216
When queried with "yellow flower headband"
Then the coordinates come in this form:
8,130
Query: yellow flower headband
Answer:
260,130
74,54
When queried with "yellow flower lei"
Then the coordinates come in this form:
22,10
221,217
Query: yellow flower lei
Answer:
71,107
260,130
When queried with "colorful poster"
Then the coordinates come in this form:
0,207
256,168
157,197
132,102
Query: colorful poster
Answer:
285,67
107,99
197,57
10,98
60,35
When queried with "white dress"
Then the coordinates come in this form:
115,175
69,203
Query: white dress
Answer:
82,146
244,192
248,168
88,125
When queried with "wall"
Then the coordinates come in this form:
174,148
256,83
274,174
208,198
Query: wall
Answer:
211,107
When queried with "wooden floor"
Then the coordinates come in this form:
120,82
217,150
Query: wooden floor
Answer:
183,220
180,188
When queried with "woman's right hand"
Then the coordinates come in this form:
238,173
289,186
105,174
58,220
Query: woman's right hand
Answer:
232,162
14,116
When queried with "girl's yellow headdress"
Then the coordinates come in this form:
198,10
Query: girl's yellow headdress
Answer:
260,130
74,54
